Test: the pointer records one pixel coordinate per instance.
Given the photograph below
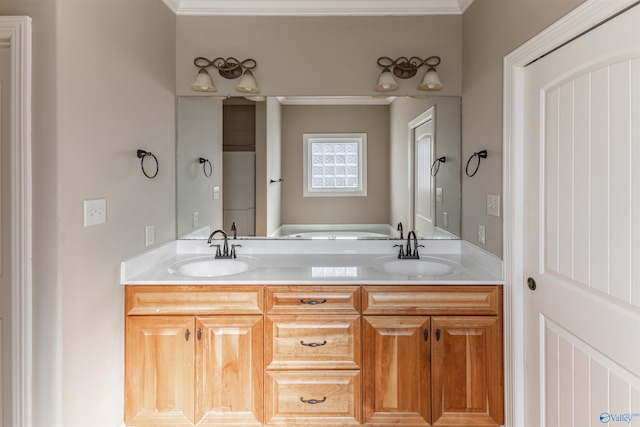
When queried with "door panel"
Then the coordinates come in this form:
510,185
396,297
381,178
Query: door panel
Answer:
467,371
159,371
582,226
229,370
397,367
424,197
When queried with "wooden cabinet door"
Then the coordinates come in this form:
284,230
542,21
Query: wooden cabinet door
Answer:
396,370
229,370
159,371
467,372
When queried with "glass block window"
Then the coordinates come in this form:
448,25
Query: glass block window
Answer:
335,164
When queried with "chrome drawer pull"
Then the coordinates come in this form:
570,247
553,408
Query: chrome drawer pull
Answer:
313,344
313,302
313,401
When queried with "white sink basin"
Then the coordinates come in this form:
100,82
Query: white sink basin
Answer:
210,267
423,267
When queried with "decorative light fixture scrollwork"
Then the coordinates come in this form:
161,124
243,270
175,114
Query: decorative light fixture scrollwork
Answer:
405,68
229,68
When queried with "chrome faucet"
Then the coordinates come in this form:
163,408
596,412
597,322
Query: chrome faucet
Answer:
399,228
225,249
408,253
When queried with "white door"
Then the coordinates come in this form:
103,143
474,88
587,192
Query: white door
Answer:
423,197
582,230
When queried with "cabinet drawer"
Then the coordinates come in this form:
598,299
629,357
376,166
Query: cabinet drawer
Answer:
313,342
148,300
457,300
313,299
313,398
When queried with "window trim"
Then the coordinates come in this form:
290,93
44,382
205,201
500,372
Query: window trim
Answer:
360,139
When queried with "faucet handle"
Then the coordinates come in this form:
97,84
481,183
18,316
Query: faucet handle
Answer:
233,250
415,251
218,253
401,254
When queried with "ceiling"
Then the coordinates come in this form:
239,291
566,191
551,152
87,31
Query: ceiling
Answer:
317,7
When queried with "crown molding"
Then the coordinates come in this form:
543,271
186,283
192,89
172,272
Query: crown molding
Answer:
316,7
335,100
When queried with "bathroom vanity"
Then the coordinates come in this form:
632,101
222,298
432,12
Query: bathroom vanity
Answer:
315,337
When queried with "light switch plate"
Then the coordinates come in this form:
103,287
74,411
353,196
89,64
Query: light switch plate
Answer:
493,205
149,235
95,212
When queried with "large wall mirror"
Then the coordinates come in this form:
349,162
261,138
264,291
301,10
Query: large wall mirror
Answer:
241,161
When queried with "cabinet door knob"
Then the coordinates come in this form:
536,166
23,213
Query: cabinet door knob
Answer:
186,334
425,334
437,334
313,401
313,344
199,334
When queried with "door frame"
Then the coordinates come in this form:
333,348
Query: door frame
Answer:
429,114
15,34
589,14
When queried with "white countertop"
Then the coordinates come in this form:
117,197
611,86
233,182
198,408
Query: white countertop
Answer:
314,262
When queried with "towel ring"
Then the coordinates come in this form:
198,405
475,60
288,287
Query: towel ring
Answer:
143,155
480,155
435,166
206,162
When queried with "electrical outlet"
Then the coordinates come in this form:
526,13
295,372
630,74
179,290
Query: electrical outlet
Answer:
149,235
445,219
481,234
196,219
493,205
439,194
95,212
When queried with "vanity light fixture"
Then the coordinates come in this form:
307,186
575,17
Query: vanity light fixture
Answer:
229,68
405,68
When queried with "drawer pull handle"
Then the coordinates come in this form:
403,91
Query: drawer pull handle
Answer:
313,401
313,344
313,302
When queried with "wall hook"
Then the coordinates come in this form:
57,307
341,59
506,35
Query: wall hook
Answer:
480,155
272,181
143,155
435,166
206,162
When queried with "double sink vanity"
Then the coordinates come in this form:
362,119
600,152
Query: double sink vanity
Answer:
313,333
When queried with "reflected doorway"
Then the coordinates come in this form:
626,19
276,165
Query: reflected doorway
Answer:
422,134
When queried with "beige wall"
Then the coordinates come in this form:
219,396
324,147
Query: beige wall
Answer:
319,55
116,83
492,29
103,86
47,329
370,119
